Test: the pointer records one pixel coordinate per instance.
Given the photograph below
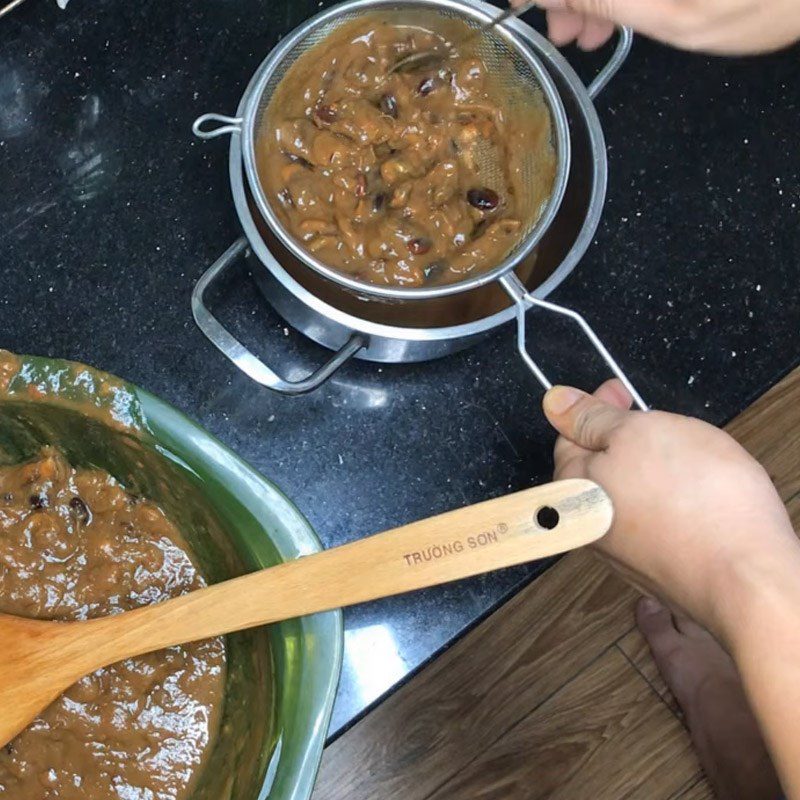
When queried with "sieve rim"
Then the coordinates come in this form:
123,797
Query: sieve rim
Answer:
482,13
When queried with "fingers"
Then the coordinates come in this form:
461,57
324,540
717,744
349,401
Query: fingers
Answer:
645,17
655,18
570,464
582,419
564,26
727,27
569,457
615,393
596,32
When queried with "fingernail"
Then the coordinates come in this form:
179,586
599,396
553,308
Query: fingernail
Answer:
560,399
649,605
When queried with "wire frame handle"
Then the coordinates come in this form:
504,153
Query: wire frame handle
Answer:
524,300
247,361
10,7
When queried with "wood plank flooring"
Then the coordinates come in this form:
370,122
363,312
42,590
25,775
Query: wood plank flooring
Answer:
555,695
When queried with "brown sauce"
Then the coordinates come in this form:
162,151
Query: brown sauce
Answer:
379,175
75,545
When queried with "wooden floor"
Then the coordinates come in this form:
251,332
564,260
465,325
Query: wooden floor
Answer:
555,695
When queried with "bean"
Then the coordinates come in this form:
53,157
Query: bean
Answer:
426,86
361,185
434,270
388,105
326,114
39,501
483,199
81,510
420,246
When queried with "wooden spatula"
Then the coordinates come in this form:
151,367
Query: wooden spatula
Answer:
39,660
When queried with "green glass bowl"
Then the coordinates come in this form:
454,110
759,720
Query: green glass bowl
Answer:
281,680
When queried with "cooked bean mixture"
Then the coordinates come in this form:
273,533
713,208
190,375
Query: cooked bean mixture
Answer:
379,173
75,545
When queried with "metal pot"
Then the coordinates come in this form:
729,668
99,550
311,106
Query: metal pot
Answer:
386,329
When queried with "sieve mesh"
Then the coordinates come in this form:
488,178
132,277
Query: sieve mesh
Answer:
537,183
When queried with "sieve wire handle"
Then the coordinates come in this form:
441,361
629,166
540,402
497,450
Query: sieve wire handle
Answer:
524,300
511,11
9,7
617,59
225,125
243,358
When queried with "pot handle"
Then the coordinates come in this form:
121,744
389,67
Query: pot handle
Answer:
243,358
614,63
524,300
227,125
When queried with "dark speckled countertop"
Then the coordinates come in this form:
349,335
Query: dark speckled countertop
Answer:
110,211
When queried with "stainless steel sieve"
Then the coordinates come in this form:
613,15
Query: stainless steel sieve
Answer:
359,336
507,58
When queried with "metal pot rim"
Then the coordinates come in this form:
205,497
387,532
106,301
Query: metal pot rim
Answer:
584,98
482,12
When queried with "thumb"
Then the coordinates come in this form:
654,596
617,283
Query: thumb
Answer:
583,419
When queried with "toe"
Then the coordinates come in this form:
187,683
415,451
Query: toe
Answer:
656,623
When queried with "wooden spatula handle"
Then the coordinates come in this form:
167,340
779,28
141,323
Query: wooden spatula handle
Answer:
521,527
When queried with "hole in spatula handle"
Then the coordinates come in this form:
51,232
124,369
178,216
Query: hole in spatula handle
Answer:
547,517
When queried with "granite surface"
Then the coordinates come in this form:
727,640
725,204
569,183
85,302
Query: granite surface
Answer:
110,211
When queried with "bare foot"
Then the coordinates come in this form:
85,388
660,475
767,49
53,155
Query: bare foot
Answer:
704,680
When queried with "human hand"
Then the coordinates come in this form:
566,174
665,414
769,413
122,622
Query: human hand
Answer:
732,27
691,504
567,23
